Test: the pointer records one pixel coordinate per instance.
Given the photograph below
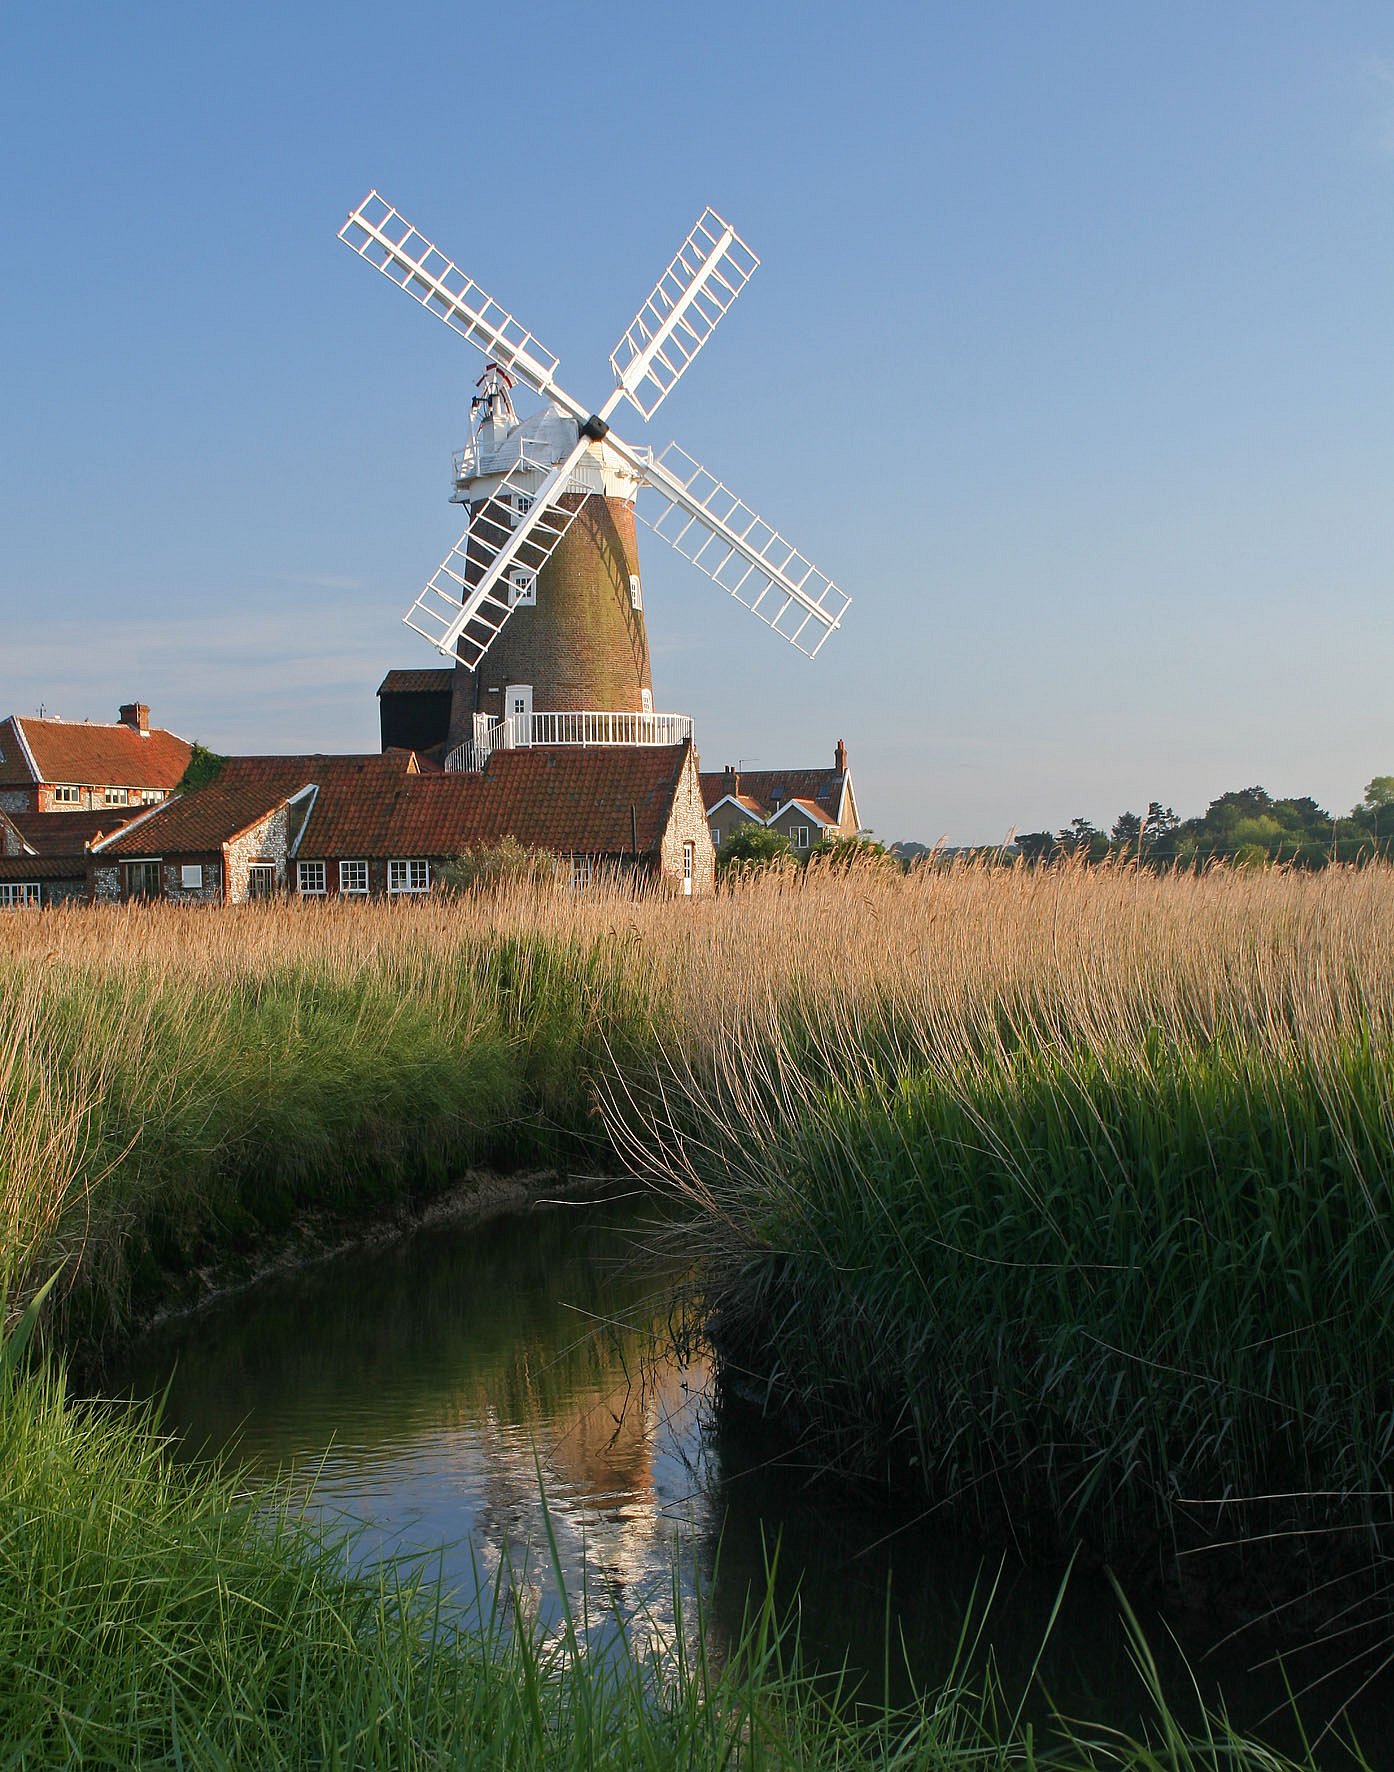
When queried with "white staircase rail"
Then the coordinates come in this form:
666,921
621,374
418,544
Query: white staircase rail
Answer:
719,533
386,239
713,265
585,726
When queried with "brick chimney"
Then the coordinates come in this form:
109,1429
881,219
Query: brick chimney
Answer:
731,781
136,715
840,758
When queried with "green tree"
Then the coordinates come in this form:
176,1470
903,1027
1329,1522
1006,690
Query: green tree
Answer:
754,846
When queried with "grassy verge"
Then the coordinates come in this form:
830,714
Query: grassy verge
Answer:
152,1616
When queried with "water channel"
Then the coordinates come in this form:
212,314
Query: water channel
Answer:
419,1390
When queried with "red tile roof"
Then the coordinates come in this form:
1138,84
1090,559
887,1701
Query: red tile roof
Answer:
89,755
69,833
43,867
761,787
573,799
427,682
245,790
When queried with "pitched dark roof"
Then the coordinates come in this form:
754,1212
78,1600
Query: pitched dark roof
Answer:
573,799
245,790
759,788
43,867
90,755
69,833
427,682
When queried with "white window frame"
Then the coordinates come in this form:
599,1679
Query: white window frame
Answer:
191,876
17,893
305,873
116,796
67,795
151,796
582,872
800,836
689,867
412,874
646,700
636,592
522,588
716,836
260,869
347,876
143,861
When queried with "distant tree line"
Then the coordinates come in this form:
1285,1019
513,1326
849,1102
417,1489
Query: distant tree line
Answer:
1246,825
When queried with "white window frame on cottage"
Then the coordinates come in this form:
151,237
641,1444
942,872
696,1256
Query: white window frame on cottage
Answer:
636,592
412,875
261,881
191,876
349,876
15,893
310,879
67,795
151,796
800,836
116,796
582,872
716,836
128,873
689,867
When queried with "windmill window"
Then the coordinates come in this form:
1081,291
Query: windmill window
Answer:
353,877
524,503
646,700
524,588
636,592
408,876
18,892
67,796
311,879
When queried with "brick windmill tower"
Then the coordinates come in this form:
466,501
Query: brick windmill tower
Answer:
540,602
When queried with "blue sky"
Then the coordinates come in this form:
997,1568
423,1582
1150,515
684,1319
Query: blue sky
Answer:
1070,357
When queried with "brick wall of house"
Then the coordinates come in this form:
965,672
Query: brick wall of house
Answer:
89,799
727,819
264,841
210,892
688,824
791,822
64,891
106,884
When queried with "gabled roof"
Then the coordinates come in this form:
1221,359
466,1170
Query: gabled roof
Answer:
89,755
426,682
69,833
570,798
42,867
809,808
244,791
765,791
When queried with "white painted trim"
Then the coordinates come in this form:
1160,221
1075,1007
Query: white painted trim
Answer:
731,800
28,754
311,788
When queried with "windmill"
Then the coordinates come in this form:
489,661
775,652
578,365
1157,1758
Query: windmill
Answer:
540,602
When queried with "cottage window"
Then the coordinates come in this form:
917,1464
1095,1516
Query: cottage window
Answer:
151,796
636,592
353,877
408,876
716,836
801,836
581,872
143,879
67,796
311,879
114,796
261,880
191,876
17,892
689,859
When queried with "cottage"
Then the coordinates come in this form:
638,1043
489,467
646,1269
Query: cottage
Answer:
382,826
66,766
43,857
805,805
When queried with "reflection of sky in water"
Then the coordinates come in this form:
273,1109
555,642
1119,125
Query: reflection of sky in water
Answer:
417,1390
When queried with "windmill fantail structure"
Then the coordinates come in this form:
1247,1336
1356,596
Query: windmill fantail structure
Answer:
540,602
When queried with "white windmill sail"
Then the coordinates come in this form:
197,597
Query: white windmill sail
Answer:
737,549
712,266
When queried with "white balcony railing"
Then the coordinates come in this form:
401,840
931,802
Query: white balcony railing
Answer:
582,727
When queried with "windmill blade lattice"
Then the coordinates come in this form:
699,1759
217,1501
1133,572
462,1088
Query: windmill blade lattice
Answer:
486,575
386,239
719,533
713,265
